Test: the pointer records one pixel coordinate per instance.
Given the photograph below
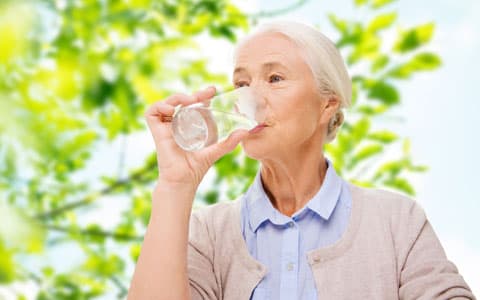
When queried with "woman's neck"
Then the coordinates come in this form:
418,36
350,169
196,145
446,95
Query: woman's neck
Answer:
291,183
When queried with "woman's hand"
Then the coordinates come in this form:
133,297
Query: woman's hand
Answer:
175,165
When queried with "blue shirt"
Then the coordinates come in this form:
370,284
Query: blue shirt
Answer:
281,243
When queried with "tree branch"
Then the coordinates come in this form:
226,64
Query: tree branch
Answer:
122,288
95,232
137,176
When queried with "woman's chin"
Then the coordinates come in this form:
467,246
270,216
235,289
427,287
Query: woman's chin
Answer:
254,148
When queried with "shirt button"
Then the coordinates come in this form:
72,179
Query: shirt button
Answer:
290,266
291,224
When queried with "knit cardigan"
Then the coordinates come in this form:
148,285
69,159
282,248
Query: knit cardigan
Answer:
388,251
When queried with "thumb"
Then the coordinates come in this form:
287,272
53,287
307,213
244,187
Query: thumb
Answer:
216,151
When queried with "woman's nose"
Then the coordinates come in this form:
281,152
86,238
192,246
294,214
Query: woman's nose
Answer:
261,102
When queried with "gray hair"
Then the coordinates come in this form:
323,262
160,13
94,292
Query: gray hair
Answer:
323,58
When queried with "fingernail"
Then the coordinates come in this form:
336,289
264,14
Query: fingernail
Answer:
211,88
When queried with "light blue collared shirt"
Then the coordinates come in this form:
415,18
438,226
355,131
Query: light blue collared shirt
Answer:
281,243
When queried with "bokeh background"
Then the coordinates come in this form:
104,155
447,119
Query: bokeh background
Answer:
76,160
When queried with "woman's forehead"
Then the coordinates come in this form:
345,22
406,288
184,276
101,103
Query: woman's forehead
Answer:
266,43
269,50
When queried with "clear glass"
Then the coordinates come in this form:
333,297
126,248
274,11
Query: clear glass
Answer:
202,124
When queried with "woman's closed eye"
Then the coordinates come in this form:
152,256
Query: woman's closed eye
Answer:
240,84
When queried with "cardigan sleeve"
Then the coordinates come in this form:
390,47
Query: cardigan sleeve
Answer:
425,271
203,283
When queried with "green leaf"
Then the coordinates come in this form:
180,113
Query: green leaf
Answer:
368,47
108,266
401,184
419,168
135,252
339,24
426,61
363,153
400,72
367,151
414,38
382,21
94,234
7,266
421,62
126,229
211,197
334,153
380,3
352,36
360,2
360,129
223,31
383,136
48,271
379,63
389,169
345,143
361,183
370,110
384,92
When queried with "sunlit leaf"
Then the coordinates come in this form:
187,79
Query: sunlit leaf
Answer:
384,92
339,24
360,2
380,3
383,136
401,184
380,62
360,129
382,21
135,252
365,184
413,38
7,266
368,47
390,169
421,62
367,151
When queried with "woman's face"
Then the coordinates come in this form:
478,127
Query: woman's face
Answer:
296,115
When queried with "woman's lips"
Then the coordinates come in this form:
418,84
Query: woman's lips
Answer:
257,128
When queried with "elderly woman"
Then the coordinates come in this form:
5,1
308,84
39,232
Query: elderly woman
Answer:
300,231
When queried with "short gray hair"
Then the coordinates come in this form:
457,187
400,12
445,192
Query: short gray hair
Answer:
323,58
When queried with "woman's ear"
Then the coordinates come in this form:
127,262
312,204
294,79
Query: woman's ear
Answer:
330,107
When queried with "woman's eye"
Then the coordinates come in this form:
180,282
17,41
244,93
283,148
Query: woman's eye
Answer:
275,78
241,84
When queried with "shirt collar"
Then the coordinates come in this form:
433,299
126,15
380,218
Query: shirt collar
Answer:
323,202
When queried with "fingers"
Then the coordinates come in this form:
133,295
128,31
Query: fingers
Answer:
166,108
184,99
159,109
205,94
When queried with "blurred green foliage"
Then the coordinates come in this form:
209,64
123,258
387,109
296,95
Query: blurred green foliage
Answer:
75,75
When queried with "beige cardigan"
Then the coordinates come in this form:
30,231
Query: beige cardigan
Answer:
388,251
